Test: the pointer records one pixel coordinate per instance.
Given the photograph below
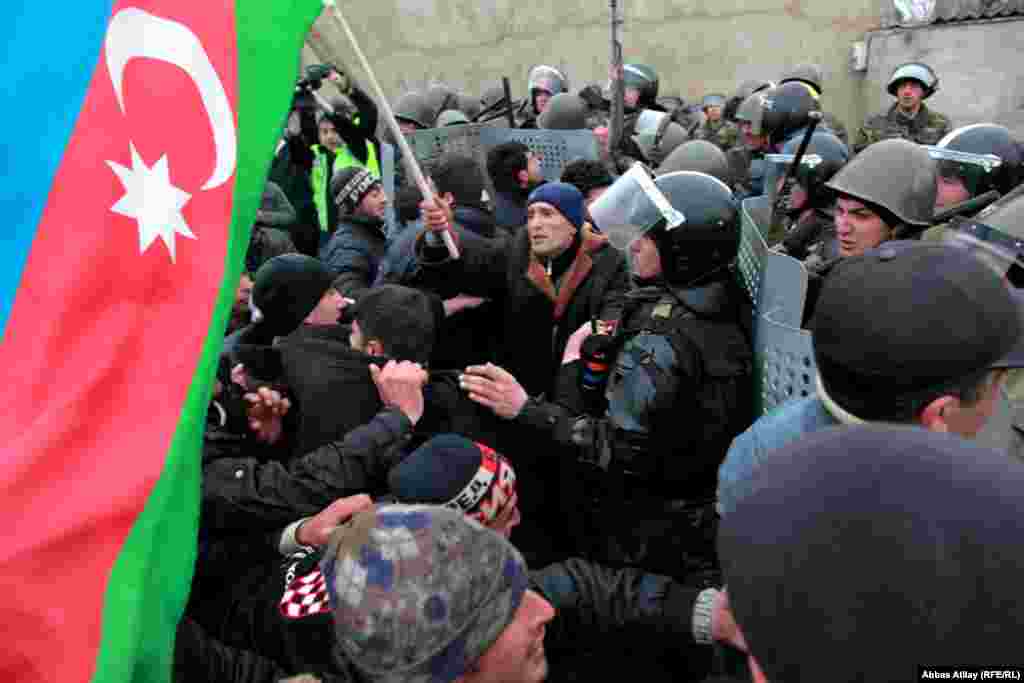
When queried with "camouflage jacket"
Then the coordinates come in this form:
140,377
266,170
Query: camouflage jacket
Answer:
724,134
927,128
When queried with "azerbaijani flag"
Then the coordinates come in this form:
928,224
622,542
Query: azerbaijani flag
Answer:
137,137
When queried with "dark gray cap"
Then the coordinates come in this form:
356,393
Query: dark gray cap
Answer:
865,552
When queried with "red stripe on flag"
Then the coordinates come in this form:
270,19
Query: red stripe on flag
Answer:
103,341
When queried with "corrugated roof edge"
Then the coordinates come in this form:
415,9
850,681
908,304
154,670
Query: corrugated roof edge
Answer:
953,11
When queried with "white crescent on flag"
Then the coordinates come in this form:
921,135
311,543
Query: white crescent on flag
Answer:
135,33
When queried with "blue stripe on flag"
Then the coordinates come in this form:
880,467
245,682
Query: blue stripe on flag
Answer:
51,51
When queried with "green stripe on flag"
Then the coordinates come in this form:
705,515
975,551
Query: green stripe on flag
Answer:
150,581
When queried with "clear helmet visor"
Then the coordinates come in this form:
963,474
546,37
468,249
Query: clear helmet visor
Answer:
777,166
633,206
971,169
986,162
751,111
992,247
547,78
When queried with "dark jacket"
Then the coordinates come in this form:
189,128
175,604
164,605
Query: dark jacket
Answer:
399,262
510,209
354,252
271,234
245,495
651,613
748,170
468,337
332,392
815,228
198,657
329,384
679,390
538,315
709,354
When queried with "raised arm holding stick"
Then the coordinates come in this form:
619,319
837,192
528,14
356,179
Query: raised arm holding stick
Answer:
389,118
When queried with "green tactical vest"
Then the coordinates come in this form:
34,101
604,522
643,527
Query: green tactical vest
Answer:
343,159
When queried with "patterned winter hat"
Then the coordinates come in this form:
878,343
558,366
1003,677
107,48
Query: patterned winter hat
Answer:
350,185
460,474
419,593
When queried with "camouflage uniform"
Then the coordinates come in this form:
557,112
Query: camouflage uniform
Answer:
927,128
724,134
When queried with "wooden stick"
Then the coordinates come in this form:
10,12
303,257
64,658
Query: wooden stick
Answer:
392,123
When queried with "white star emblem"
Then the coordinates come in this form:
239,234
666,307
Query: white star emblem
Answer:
152,201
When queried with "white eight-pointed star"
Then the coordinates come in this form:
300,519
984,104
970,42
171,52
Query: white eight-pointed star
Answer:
152,201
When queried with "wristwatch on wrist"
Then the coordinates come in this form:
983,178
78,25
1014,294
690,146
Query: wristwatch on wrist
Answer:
702,611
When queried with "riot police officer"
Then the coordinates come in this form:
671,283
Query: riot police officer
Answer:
641,87
812,76
544,83
413,112
962,180
908,118
745,90
642,118
886,192
649,410
656,134
772,120
564,111
700,156
810,207
439,98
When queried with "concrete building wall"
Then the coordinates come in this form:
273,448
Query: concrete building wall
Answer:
980,65
697,46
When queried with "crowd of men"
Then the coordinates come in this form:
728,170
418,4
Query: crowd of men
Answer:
536,455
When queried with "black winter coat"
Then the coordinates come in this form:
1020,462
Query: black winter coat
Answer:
538,315
333,393
468,337
244,495
648,613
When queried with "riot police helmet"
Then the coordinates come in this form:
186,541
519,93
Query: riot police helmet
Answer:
986,139
698,155
897,176
645,79
811,74
565,111
914,71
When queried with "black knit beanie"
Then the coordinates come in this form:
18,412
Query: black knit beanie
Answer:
285,290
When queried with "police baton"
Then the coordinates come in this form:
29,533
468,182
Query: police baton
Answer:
508,98
392,124
814,118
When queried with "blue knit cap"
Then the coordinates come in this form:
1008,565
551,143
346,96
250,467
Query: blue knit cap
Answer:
564,197
453,471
